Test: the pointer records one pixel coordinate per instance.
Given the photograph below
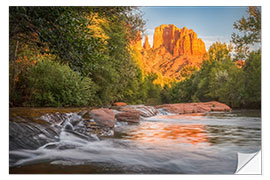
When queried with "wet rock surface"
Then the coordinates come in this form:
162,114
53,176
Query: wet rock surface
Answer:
129,116
103,117
188,108
32,128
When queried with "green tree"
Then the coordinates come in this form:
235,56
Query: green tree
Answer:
67,33
219,51
218,79
50,83
252,71
250,32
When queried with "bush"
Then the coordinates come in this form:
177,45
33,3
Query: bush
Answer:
49,83
252,71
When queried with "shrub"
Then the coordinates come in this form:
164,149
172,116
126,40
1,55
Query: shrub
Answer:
50,83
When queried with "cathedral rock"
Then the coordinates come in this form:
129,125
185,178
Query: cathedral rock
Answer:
175,51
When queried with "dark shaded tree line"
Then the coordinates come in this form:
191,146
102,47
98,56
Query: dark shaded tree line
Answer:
74,56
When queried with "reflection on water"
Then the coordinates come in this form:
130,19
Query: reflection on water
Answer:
205,143
162,133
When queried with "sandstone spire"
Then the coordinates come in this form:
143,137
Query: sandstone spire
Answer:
146,44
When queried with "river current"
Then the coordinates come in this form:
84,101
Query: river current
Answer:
162,144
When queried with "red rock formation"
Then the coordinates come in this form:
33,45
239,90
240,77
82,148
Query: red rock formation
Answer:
178,41
103,117
128,116
144,111
146,44
173,50
188,108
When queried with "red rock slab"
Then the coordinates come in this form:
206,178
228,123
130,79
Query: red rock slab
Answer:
129,116
144,111
187,108
103,117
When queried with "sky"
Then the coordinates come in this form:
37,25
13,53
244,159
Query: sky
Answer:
210,23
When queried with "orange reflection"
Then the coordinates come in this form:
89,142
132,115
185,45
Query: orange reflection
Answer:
182,116
162,133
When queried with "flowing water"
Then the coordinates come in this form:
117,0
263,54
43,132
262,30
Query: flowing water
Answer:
162,144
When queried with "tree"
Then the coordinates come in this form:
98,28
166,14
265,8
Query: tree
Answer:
72,35
250,32
219,51
218,79
252,71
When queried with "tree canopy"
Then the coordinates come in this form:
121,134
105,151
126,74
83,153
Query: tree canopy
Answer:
82,56
250,32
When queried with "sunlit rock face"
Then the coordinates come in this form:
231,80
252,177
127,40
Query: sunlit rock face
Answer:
177,41
146,44
173,51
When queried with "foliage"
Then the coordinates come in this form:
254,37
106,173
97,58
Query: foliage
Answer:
62,29
250,32
218,79
50,83
82,56
252,71
219,51
93,41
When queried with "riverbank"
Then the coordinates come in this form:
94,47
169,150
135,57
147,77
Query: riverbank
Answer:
165,143
27,125
178,108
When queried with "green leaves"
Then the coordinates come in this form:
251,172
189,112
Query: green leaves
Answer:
219,51
250,32
53,84
220,79
252,71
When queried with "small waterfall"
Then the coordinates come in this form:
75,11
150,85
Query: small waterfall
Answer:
162,111
145,111
34,133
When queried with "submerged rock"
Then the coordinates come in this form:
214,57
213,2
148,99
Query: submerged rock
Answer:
103,117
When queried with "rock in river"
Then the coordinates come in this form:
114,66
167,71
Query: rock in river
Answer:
103,117
187,108
132,116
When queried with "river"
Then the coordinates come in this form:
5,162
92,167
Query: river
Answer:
162,144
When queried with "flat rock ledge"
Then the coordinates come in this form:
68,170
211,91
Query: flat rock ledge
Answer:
188,108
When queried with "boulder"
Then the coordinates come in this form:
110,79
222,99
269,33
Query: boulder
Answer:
103,117
128,116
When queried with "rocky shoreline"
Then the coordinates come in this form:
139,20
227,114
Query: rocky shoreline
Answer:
33,127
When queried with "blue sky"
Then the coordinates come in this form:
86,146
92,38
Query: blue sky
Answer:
210,23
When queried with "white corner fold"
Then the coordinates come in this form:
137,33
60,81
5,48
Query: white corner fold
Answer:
249,163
